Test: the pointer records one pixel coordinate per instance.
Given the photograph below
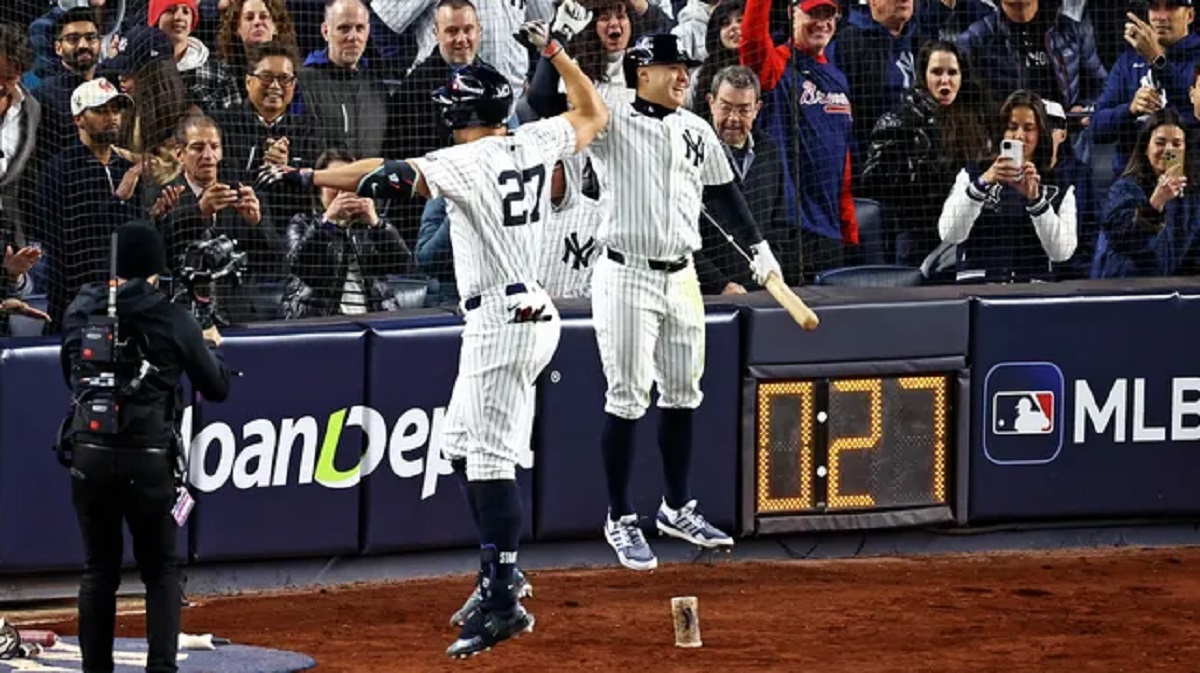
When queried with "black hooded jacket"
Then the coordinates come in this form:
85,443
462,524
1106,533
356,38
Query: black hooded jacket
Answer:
172,342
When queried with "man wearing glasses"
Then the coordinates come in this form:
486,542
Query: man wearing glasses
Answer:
734,103
262,130
77,44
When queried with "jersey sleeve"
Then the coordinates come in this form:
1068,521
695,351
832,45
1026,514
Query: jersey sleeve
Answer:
552,139
448,172
716,169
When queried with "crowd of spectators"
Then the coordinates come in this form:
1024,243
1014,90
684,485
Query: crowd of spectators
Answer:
974,140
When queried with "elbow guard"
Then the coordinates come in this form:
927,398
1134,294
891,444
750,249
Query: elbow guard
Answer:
395,179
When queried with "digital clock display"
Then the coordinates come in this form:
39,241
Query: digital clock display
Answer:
851,445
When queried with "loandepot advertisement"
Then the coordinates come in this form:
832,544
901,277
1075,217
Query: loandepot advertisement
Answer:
335,451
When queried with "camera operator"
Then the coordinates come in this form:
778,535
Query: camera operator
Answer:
129,469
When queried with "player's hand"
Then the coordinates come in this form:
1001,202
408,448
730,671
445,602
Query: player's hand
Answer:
533,34
1145,101
277,152
570,19
19,307
733,288
270,175
764,263
247,205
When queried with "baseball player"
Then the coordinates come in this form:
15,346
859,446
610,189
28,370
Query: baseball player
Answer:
655,161
570,250
496,186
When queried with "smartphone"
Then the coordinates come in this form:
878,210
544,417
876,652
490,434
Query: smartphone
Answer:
1172,159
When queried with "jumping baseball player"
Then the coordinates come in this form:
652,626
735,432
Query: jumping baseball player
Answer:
570,250
496,186
655,161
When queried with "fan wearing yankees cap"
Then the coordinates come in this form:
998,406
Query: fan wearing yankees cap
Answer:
78,208
656,162
806,111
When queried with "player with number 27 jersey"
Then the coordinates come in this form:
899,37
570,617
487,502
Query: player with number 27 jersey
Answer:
496,185
497,190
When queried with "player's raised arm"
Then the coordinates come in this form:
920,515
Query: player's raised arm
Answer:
373,178
587,114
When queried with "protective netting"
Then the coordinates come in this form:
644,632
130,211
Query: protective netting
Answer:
904,142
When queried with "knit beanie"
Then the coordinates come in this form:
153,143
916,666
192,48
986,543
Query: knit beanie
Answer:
157,7
140,250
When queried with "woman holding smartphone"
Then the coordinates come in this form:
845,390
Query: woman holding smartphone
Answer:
1151,217
1011,219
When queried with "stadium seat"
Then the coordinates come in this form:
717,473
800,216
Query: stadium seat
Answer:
409,292
268,301
871,247
871,275
1102,173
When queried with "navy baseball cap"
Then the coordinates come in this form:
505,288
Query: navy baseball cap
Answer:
141,47
654,49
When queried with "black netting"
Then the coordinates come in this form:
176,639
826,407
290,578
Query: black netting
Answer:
867,157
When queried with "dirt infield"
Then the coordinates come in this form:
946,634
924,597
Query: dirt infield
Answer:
1104,611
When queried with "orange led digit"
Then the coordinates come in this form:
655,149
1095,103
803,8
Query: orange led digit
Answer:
874,388
804,499
937,384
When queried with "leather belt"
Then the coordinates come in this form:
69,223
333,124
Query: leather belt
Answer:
668,265
473,303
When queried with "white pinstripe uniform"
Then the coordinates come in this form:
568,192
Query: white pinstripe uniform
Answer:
571,251
650,323
497,196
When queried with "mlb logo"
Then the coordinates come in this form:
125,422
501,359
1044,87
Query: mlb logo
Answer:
1022,411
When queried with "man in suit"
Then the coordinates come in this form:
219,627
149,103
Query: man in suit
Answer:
208,208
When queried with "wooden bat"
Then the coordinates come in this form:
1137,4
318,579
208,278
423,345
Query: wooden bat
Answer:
794,305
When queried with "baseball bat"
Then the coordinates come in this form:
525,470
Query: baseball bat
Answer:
794,305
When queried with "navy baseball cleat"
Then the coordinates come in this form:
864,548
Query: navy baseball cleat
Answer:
485,628
521,587
687,524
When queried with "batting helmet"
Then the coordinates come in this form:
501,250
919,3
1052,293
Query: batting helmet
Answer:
476,95
654,49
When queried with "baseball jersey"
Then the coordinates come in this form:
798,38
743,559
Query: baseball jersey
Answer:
570,248
497,192
652,175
